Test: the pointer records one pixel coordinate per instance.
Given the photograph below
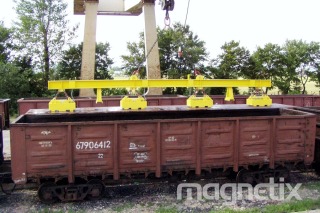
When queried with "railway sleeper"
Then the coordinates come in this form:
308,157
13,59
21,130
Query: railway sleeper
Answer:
50,192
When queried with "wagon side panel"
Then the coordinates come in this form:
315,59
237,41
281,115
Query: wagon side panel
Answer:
137,147
46,151
217,143
310,135
290,139
92,147
18,155
254,141
178,145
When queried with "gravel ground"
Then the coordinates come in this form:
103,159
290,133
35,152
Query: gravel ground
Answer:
145,198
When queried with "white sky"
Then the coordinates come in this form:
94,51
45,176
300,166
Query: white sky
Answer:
252,22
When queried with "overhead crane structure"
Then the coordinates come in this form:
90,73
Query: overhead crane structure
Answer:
140,103
92,8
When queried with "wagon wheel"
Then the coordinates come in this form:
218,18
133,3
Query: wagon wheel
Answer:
245,176
7,188
96,189
46,193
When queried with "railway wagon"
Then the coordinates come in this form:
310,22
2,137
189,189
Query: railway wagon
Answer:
25,104
72,155
4,112
315,110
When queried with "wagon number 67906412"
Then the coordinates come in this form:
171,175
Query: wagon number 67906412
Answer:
93,145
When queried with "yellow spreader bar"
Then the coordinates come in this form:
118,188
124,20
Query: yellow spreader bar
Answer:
141,103
88,84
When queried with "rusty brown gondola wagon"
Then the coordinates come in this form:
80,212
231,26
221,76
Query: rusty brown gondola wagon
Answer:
99,145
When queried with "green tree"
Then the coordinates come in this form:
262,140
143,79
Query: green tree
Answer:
266,63
5,42
180,51
314,63
35,79
172,64
292,71
230,64
14,84
42,30
69,66
103,61
136,59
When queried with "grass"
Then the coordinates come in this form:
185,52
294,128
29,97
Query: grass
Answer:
57,211
167,210
312,185
123,207
287,207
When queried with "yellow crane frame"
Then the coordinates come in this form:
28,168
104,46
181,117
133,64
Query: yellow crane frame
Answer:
140,103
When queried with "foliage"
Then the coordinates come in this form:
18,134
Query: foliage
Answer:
42,31
17,76
14,84
135,60
314,63
5,42
69,66
230,64
172,65
265,63
103,61
294,53
180,39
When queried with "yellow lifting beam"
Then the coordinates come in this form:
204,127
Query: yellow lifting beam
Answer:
140,103
147,83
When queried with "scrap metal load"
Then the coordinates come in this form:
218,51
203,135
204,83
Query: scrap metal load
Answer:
101,145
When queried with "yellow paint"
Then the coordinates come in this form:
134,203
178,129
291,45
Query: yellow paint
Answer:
99,96
259,100
199,102
140,103
147,83
133,103
64,105
229,94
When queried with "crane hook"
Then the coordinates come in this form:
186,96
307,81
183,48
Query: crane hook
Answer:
167,5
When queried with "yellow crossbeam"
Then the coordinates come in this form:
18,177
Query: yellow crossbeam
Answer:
147,83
